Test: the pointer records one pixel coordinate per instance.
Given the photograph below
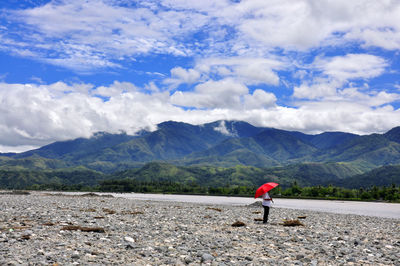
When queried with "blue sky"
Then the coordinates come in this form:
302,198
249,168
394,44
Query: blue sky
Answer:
72,68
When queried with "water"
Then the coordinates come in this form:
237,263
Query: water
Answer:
379,209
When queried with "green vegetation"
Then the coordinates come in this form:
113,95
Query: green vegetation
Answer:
78,178
383,193
129,185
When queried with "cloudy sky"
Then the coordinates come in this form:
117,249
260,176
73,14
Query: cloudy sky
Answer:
69,68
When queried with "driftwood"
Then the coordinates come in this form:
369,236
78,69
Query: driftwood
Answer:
83,229
215,209
292,223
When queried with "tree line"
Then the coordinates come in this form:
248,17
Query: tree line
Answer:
382,193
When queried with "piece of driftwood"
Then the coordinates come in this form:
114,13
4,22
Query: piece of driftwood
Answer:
292,223
83,229
214,209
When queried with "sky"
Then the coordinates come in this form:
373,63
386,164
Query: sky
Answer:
70,68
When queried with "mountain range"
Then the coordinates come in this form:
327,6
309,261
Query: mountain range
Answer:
218,144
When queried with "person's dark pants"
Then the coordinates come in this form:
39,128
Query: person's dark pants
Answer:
266,213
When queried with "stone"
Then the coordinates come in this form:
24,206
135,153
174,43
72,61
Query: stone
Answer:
206,257
188,259
129,239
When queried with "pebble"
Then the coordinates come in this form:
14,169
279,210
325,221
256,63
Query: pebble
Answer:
33,231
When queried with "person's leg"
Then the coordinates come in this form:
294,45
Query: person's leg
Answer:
266,213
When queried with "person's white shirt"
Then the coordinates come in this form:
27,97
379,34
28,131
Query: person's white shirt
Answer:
266,199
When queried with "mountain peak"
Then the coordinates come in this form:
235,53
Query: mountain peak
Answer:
235,128
393,134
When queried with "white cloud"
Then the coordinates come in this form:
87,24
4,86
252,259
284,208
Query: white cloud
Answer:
305,24
222,129
98,34
259,100
84,35
353,66
35,115
212,94
249,71
337,72
180,75
319,88
386,38
115,89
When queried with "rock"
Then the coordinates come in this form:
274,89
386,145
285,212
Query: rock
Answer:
179,263
206,257
188,259
75,255
129,239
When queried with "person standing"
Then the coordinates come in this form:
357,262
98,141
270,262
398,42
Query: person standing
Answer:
266,205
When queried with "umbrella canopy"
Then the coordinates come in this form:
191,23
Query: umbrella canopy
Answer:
265,188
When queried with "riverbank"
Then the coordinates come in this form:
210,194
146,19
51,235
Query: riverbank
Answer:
44,229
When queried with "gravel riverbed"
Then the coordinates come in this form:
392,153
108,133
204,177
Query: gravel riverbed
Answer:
45,229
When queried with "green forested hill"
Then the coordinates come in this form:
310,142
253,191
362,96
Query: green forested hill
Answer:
221,143
56,179
305,174
33,162
382,176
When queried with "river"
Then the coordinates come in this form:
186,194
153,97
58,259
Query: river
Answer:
379,209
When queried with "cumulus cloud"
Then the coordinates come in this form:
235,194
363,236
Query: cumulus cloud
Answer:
332,74
259,100
212,94
35,115
244,70
180,75
353,66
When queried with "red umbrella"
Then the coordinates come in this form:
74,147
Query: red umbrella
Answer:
265,188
